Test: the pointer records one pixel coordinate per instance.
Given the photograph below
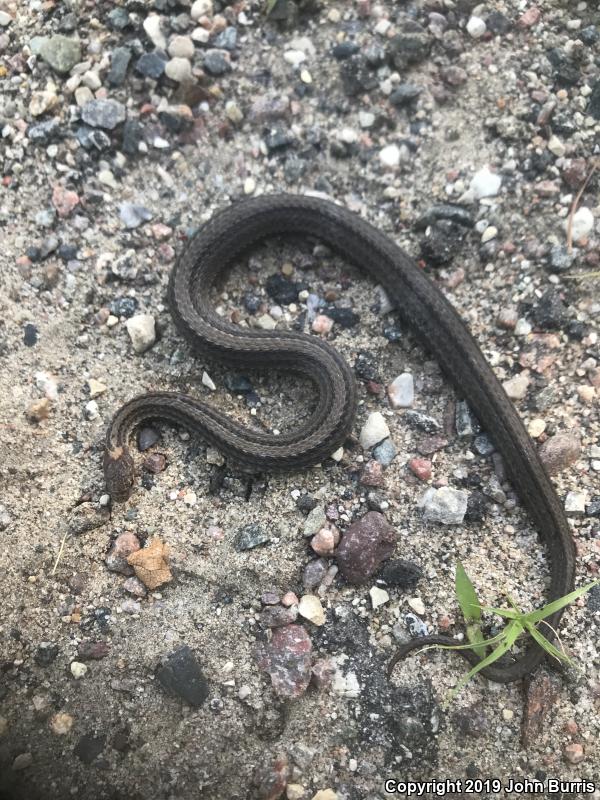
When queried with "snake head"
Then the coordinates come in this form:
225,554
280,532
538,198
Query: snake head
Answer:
119,473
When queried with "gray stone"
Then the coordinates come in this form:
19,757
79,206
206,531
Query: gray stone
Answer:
445,505
105,114
60,52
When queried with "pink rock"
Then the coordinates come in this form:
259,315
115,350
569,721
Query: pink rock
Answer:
124,545
135,587
289,599
161,231
560,451
276,616
420,467
325,541
64,200
574,753
287,659
322,324
531,17
364,546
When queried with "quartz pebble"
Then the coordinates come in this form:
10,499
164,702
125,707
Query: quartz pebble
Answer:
401,391
311,609
445,505
516,388
379,597
583,224
374,430
142,332
476,27
485,183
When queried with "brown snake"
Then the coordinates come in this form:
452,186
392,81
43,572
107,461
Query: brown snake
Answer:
220,242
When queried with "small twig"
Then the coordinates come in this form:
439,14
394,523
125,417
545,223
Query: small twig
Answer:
60,552
574,206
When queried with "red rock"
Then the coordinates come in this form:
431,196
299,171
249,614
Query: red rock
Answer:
364,547
272,780
155,463
287,659
420,467
92,651
64,200
372,474
431,444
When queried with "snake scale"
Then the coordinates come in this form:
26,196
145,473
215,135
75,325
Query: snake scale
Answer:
234,231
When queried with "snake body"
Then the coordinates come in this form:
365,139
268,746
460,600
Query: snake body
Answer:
234,231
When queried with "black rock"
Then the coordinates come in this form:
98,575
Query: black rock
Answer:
560,259
366,367
483,445
45,654
593,509
549,313
593,599
281,289
566,72
120,58
278,139
393,333
576,330
124,307
89,747
67,252
249,537
44,131
30,334
181,675
238,384
593,108
344,317
356,75
422,422
498,24
216,62
146,438
344,50
404,94
409,46
448,211
465,422
252,302
476,507
133,135
92,138
227,39
590,35
151,65
305,503
400,573
442,242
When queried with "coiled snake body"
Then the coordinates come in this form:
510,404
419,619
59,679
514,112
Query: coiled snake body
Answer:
235,230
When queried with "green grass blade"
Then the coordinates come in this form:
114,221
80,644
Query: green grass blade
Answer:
469,605
466,595
510,635
547,645
503,612
556,605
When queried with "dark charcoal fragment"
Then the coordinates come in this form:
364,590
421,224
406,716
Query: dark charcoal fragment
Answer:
404,94
442,242
549,313
181,675
356,76
447,211
400,573
45,654
89,747
282,290
344,317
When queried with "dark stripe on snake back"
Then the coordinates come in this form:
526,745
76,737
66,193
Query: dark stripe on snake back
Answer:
212,251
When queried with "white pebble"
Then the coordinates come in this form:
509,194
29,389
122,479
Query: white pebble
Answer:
417,605
556,147
476,27
142,332
485,183
311,609
202,8
401,391
390,155
153,28
208,381
583,223
78,670
374,430
378,597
